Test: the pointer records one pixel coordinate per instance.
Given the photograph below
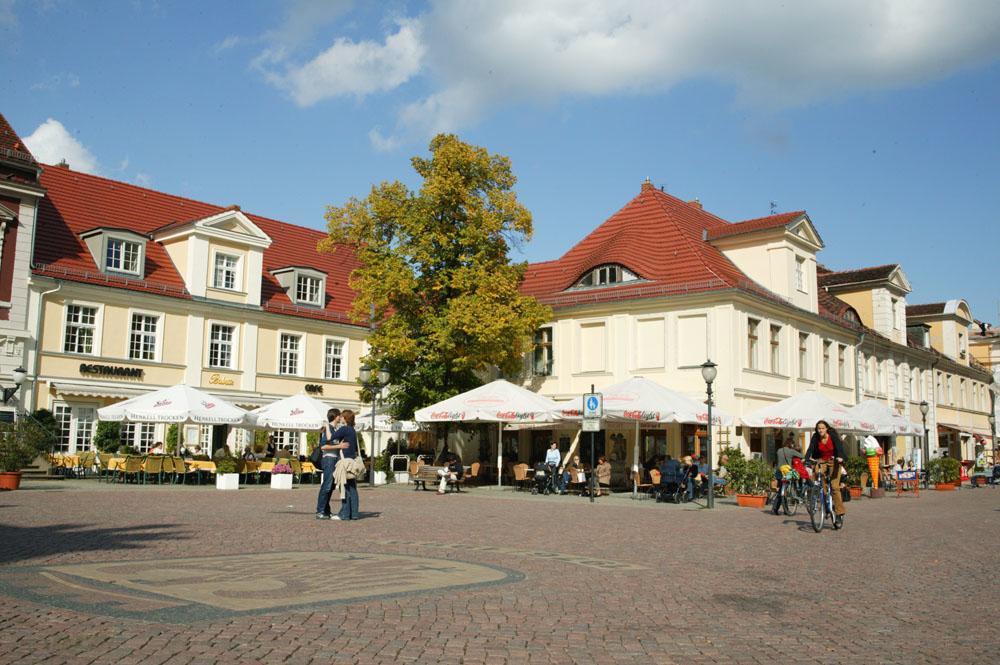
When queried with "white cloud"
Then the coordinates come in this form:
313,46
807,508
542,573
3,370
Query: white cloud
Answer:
351,68
227,43
143,179
57,81
480,55
51,143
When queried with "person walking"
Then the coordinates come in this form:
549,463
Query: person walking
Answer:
347,446
327,437
826,450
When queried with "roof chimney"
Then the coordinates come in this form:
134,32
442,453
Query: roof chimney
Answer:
647,185
63,163
695,203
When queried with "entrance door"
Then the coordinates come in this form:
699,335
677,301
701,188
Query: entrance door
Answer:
219,435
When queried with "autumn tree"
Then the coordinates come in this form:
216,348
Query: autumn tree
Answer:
434,269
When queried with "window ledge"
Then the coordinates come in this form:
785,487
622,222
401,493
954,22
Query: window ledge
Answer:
762,372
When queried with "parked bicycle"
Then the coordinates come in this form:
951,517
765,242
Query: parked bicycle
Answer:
789,496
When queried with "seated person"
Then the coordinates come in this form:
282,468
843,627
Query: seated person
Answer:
222,452
722,473
670,474
284,453
249,454
603,473
897,468
452,471
573,473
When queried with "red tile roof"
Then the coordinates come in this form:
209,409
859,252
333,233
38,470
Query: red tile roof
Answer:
656,236
926,309
830,278
11,145
77,202
757,224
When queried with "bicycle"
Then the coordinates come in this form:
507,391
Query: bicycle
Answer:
788,495
819,503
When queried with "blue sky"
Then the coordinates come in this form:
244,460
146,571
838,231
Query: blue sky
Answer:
878,118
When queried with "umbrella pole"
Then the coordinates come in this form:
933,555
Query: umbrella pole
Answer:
499,453
635,463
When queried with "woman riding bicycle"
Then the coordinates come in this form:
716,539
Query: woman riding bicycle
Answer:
826,451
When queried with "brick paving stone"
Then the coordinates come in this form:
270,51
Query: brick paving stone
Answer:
907,581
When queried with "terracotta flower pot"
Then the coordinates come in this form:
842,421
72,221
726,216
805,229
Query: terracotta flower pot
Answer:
750,500
10,480
855,492
944,487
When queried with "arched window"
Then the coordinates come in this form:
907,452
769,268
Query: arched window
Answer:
606,275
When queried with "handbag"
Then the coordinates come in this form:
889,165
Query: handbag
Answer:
845,494
316,456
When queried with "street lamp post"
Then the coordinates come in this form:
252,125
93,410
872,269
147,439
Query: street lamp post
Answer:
924,408
709,370
18,375
374,382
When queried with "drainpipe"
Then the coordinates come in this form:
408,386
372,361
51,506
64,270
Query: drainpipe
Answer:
933,400
38,337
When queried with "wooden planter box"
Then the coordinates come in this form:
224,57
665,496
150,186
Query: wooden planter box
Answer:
751,500
855,491
944,487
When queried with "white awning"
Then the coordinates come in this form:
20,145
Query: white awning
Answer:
95,390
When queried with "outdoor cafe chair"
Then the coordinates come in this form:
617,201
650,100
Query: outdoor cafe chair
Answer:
296,470
521,479
179,468
473,475
152,465
104,466
85,463
131,467
643,490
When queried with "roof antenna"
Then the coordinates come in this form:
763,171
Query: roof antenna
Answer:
774,207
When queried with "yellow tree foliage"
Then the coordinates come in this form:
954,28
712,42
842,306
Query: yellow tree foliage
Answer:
436,272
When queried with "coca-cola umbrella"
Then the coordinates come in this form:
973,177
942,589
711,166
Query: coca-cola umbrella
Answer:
803,411
498,402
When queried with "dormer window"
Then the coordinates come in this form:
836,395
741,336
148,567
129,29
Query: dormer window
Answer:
123,256
226,272
116,250
308,289
606,275
304,285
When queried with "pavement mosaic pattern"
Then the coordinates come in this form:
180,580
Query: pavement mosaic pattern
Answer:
94,574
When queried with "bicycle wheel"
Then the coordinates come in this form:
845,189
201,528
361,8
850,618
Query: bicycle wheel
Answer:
790,502
818,514
810,499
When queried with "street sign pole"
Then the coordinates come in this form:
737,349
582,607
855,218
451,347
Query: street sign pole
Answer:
593,411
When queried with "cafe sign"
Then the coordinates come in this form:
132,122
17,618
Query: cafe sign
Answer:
219,380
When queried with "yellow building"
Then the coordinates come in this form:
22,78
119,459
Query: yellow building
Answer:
136,289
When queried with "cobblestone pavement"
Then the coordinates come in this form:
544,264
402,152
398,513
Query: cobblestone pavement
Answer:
553,580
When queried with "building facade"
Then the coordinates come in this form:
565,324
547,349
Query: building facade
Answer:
20,193
135,290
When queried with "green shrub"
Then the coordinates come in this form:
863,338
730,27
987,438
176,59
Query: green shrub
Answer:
20,443
944,470
107,436
173,434
855,466
226,465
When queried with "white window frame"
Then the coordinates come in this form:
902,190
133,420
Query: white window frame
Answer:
800,274
237,271
803,354
344,369
842,372
73,432
140,258
160,322
827,349
320,289
753,350
234,358
98,327
136,437
300,353
551,350
774,331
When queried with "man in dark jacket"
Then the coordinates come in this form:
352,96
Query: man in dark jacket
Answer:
670,474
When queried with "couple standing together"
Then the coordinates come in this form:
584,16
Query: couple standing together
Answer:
338,440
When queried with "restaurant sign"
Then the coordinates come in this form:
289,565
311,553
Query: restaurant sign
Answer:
111,370
314,389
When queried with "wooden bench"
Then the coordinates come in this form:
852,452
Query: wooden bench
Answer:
429,474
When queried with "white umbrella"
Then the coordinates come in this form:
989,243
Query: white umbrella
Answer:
879,418
297,412
497,402
383,423
177,404
646,401
802,411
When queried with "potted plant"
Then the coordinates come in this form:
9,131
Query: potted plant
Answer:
226,475
383,471
748,478
944,473
281,476
20,444
855,467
